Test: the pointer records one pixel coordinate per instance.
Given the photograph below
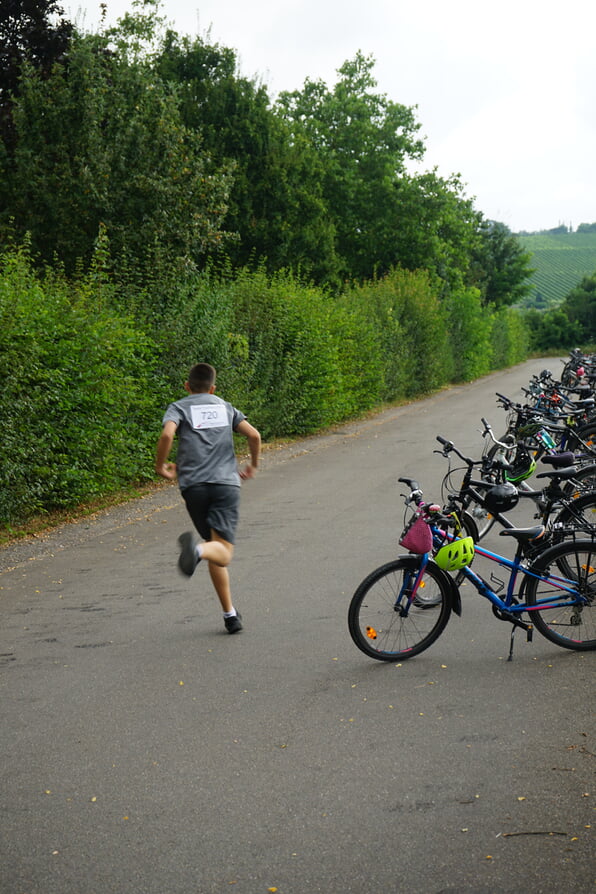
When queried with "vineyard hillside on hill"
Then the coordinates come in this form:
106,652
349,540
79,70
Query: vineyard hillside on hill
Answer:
561,261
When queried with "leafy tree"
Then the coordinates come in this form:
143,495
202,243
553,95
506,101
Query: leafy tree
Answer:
434,227
31,31
500,265
580,308
364,141
102,142
276,206
384,216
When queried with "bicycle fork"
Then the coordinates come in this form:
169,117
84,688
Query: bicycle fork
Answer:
407,593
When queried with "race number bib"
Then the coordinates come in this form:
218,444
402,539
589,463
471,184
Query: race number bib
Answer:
209,416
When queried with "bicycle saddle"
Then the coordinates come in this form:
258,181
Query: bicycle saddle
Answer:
559,460
526,534
562,474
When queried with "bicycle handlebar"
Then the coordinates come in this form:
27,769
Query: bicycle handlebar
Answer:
412,484
506,401
488,431
449,446
432,511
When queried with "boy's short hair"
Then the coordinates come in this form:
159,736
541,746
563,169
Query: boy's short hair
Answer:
201,377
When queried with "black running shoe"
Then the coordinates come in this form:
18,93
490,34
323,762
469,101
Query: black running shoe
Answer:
188,559
234,624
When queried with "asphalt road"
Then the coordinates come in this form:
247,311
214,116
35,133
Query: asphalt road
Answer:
145,751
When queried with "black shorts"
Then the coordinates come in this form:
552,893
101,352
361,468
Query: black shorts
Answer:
213,507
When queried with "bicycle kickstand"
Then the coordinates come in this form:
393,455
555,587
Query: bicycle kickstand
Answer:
515,623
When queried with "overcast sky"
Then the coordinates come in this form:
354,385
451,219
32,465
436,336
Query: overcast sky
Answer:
505,92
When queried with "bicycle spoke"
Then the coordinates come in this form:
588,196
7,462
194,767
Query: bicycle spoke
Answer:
572,625
386,623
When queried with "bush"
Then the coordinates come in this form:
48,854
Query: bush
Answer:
509,338
551,330
86,383
469,326
76,411
409,332
291,370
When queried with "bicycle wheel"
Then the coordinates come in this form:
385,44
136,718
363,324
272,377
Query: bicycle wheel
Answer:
381,621
584,438
580,515
583,480
572,626
483,520
506,453
569,376
469,526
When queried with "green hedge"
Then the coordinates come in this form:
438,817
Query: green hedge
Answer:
88,365
76,410
409,330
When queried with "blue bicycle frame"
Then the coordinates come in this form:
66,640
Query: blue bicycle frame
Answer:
516,566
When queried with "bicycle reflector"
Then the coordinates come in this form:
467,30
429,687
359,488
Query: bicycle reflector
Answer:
455,555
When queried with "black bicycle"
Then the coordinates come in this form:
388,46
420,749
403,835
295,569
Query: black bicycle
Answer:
566,504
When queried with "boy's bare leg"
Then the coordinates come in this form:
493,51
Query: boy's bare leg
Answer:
217,550
221,581
218,553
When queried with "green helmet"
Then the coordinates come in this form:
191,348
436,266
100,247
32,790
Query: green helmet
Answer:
522,466
455,555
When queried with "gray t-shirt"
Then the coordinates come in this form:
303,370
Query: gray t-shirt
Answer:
205,444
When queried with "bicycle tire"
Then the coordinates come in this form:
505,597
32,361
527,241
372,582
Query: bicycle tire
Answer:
510,440
377,625
584,438
573,626
569,376
483,520
586,476
469,526
583,506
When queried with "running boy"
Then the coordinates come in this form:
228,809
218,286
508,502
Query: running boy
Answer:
208,477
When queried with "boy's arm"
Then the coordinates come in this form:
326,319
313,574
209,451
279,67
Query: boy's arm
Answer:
254,447
164,445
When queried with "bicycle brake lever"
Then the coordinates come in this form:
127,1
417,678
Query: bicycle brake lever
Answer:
447,445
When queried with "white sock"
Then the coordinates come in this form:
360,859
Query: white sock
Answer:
231,614
199,550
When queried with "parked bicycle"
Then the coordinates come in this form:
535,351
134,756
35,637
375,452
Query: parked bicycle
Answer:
567,503
540,431
580,367
401,608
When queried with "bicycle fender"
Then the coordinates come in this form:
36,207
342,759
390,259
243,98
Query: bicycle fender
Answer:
451,586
